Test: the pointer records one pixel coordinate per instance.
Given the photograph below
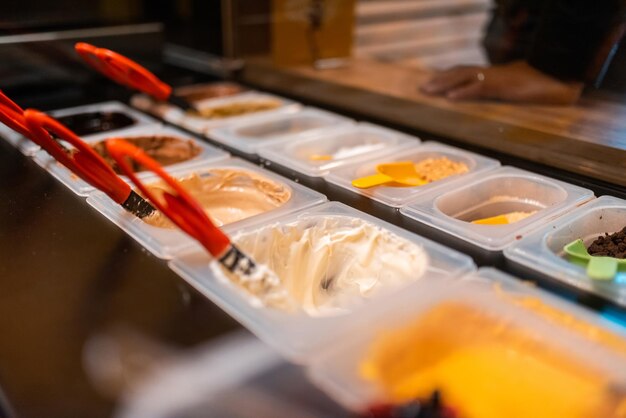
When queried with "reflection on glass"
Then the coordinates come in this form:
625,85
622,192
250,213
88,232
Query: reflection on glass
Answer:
311,31
539,51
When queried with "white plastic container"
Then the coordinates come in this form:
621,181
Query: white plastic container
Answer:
542,250
30,148
165,243
201,125
529,296
345,145
208,154
498,192
297,335
337,371
215,89
399,196
140,118
252,135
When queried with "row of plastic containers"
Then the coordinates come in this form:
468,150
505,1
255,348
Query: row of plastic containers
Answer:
290,134
420,318
316,143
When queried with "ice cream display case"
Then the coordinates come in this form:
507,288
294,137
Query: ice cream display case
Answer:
359,250
342,269
344,273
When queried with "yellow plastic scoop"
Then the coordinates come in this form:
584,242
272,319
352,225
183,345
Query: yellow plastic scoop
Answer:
494,220
401,172
505,219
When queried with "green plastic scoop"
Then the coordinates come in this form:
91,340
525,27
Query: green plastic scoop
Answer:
598,268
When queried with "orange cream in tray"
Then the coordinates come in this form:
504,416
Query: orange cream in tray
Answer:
485,367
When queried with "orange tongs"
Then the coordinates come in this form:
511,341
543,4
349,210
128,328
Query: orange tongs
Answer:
182,209
46,132
12,115
128,73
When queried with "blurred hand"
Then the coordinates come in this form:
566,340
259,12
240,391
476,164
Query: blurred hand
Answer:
515,82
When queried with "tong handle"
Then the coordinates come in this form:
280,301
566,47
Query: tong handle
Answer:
123,70
4,99
84,161
179,206
12,115
89,54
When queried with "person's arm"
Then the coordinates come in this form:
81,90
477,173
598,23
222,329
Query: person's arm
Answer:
569,36
515,82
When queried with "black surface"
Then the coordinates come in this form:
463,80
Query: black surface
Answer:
138,206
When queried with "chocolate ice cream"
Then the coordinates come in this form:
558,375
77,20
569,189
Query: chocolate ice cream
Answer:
166,150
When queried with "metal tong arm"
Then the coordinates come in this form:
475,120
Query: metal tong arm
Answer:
176,204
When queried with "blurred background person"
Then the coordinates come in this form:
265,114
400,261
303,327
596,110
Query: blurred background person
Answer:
540,51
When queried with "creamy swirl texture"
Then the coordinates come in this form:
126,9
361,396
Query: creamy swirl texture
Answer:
328,263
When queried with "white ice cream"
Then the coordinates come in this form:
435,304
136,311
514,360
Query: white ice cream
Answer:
328,263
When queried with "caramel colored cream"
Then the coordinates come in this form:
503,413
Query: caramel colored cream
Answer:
227,195
487,367
166,150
